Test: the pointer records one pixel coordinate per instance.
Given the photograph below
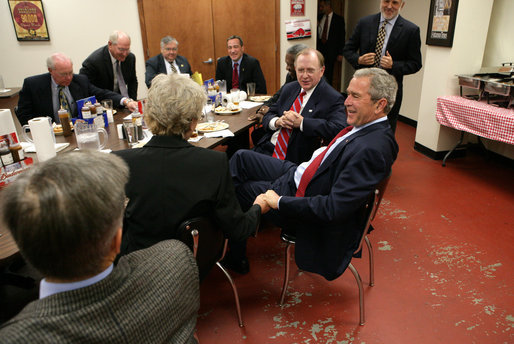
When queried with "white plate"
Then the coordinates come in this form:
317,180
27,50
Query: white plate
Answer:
225,111
260,98
211,127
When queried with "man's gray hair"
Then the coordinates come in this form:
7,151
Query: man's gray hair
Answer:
52,59
167,40
173,102
295,49
382,85
115,35
64,213
236,37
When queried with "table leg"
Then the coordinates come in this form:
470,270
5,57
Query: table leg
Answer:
455,147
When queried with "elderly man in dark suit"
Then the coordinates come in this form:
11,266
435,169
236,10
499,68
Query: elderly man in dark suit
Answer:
113,67
44,94
319,198
66,217
386,40
238,68
331,37
294,132
167,62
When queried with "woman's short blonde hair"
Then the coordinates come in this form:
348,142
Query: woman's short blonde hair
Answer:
173,102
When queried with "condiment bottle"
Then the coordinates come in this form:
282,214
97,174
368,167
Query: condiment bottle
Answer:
64,118
92,108
86,113
5,153
17,152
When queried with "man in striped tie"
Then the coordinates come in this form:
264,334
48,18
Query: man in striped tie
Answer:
307,111
318,198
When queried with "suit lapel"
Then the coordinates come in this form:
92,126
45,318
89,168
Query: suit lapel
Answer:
335,154
374,32
161,65
108,63
45,92
395,33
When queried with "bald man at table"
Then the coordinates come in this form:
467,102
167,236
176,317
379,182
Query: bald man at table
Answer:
45,94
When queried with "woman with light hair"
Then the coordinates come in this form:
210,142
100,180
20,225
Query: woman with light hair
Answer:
172,180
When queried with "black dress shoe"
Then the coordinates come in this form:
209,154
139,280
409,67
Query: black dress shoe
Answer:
241,265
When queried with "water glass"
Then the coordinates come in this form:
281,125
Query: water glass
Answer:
250,87
130,129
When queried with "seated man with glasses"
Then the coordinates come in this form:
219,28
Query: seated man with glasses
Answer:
45,94
307,111
113,67
167,62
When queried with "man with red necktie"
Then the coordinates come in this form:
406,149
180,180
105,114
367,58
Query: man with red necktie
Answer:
318,198
239,68
307,111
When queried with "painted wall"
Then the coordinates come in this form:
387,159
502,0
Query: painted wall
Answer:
76,28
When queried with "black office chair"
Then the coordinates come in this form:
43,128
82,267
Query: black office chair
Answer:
209,246
367,213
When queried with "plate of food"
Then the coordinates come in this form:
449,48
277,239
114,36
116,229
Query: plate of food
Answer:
260,98
210,127
225,110
58,128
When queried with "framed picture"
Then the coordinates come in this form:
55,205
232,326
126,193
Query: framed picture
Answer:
29,21
441,22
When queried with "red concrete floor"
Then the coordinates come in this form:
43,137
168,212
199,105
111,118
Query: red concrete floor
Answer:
444,262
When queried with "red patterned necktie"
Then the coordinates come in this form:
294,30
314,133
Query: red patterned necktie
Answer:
310,171
283,136
324,34
235,76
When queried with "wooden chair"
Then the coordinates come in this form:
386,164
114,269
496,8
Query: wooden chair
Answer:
368,212
209,246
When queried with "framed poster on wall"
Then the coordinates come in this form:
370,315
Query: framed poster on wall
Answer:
441,22
29,21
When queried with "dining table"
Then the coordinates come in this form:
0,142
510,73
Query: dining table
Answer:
238,123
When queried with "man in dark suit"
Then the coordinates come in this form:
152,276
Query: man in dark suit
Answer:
66,217
238,68
41,95
320,115
319,198
331,37
113,67
167,62
399,54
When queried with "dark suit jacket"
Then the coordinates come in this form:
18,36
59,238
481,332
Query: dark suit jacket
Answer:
403,45
155,65
36,96
335,41
99,70
171,181
324,116
327,233
249,71
156,289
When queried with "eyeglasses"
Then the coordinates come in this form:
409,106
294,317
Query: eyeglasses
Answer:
308,71
122,50
63,75
170,49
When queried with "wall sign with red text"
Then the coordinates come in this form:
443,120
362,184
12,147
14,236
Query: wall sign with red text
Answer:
29,21
296,29
297,8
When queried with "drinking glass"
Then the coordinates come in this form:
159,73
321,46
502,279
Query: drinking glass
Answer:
130,129
250,87
107,105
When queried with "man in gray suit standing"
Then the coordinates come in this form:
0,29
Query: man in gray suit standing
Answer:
66,219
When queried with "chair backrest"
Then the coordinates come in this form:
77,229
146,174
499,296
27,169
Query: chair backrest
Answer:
370,208
206,241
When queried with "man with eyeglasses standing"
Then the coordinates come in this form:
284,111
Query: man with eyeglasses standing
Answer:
45,94
113,67
167,62
307,111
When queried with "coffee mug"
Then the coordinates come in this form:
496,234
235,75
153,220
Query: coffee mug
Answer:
88,136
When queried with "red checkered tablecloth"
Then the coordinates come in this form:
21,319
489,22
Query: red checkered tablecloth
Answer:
475,117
